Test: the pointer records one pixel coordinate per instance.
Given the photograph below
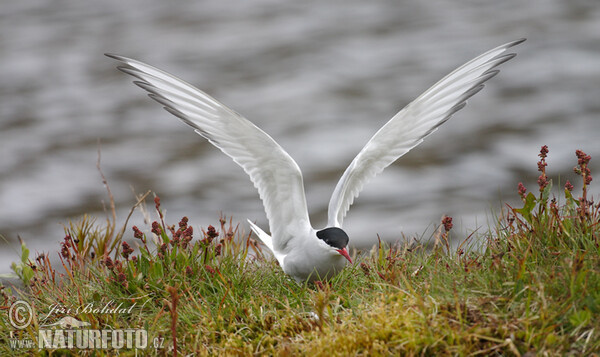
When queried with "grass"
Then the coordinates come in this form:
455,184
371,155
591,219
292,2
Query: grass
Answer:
532,288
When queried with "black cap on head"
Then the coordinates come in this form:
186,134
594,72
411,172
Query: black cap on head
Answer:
334,236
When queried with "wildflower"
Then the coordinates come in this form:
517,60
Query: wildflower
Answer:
171,229
542,166
185,242
176,239
163,248
189,271
137,233
188,232
583,158
108,263
126,250
522,191
543,151
212,232
209,269
157,203
584,171
447,222
122,278
568,186
183,223
542,182
64,251
176,233
218,249
156,229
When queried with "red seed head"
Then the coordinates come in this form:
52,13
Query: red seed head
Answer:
447,222
137,233
108,263
542,166
189,271
183,223
126,250
542,182
568,186
211,233
156,228
209,269
583,158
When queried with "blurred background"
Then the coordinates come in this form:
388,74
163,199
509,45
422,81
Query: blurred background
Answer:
320,78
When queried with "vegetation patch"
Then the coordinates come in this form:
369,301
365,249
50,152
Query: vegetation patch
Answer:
532,287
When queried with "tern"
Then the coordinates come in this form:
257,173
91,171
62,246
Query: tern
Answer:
304,253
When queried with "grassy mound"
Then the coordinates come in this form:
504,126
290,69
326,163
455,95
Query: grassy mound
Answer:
531,287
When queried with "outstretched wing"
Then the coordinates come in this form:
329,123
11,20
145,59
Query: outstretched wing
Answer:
412,124
274,173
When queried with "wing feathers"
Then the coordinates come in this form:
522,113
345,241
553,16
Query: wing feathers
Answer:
273,172
412,124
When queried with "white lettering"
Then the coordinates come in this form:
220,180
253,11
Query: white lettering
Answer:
91,339
59,339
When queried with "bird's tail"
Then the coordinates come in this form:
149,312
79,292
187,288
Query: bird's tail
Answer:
267,240
264,237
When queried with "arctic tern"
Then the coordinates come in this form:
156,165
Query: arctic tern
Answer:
304,253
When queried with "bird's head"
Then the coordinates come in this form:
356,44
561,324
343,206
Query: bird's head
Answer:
336,239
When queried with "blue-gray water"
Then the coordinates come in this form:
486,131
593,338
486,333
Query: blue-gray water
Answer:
319,77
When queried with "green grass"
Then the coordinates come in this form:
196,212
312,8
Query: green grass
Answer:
533,286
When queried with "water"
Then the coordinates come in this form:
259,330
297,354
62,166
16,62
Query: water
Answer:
319,78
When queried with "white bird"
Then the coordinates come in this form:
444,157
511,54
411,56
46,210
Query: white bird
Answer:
303,252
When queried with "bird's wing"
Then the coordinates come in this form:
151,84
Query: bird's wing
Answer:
274,173
412,124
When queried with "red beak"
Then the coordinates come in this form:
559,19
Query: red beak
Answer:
344,252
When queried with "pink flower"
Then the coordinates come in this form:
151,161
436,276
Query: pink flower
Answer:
522,190
568,186
447,222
